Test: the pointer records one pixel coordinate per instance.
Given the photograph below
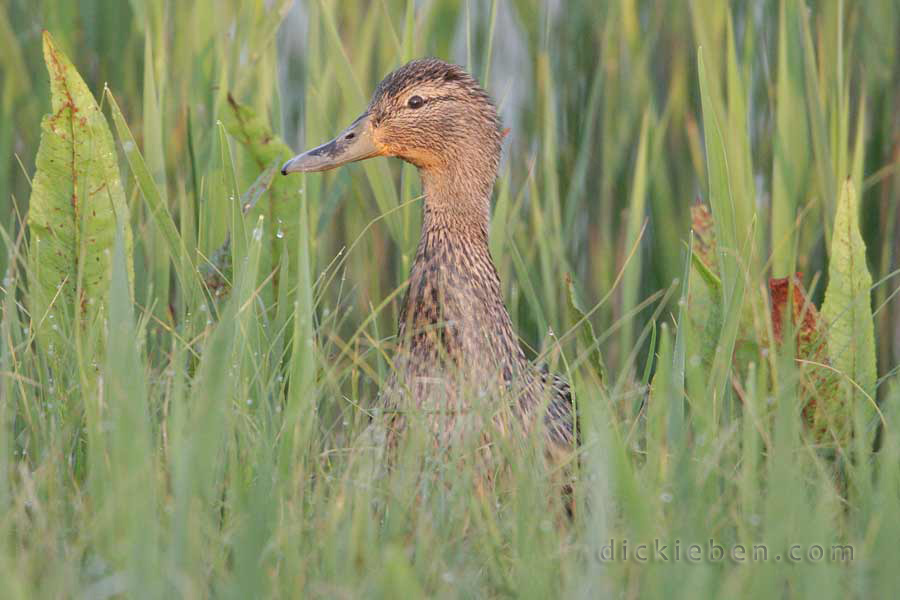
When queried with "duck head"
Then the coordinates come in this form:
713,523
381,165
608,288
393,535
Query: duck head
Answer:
429,113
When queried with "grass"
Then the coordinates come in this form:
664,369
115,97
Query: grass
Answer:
178,441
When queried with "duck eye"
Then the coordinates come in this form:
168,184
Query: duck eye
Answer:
415,102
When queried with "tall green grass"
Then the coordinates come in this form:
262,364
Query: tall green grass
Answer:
205,433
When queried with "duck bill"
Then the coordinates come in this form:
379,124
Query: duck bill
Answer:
353,144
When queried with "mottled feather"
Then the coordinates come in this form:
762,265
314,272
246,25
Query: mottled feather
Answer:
458,353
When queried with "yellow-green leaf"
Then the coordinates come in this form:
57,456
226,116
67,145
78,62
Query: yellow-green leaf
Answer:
75,199
847,310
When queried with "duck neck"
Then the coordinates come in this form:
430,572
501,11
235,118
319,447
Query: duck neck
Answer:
454,308
458,201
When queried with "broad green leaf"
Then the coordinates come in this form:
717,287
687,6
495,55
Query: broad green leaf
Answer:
184,267
737,138
586,332
208,417
702,306
631,278
154,155
301,411
721,199
127,431
735,247
75,199
847,309
790,155
822,152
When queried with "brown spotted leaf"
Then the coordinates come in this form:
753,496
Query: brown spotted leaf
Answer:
76,199
847,311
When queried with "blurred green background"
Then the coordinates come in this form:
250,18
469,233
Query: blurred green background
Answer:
574,82
605,156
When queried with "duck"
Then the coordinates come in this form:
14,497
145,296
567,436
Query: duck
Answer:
457,358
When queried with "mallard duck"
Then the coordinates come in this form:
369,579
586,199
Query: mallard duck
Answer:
457,352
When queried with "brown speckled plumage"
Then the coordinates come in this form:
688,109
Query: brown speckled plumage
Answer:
458,355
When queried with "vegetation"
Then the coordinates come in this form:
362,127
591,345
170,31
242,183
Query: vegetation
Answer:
696,223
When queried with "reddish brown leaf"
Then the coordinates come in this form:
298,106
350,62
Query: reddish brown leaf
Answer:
803,309
820,387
